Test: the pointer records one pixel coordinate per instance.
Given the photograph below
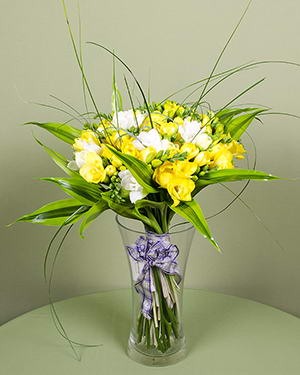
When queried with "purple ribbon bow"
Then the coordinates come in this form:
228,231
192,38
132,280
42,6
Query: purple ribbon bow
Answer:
154,250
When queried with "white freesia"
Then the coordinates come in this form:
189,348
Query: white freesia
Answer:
151,139
79,161
194,132
86,146
189,129
126,119
128,182
203,141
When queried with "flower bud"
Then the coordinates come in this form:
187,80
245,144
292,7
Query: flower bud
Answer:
148,154
156,163
110,170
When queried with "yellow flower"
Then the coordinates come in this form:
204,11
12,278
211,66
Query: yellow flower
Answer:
237,149
128,148
164,174
178,120
184,168
93,171
157,120
191,149
110,170
171,108
88,137
204,120
180,189
217,148
148,154
223,160
168,129
203,158
168,171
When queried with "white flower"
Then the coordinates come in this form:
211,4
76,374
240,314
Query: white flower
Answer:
192,132
86,146
203,141
189,129
126,119
151,139
128,182
79,161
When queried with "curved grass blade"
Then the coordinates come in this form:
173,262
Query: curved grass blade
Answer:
132,74
69,106
256,216
79,61
221,54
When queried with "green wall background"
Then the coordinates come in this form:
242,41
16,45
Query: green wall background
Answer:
175,42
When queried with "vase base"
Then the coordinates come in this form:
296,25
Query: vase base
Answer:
155,360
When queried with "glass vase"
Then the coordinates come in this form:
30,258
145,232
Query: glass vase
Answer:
157,265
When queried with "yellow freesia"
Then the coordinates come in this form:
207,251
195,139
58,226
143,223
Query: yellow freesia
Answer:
184,168
170,108
93,171
164,174
168,129
157,118
203,158
237,149
180,189
168,171
191,149
87,136
127,147
223,160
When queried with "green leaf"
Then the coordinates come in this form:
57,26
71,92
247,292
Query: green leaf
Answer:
127,210
225,115
60,160
147,203
140,170
237,126
92,214
231,175
79,189
192,212
62,131
56,213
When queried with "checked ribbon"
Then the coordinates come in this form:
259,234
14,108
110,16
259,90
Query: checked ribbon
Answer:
153,250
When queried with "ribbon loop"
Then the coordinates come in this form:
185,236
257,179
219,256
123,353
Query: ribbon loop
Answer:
153,250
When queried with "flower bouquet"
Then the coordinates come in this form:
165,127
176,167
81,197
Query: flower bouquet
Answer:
147,162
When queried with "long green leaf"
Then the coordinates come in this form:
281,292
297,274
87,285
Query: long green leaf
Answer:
231,175
56,213
237,126
59,159
78,189
67,133
192,212
140,170
92,214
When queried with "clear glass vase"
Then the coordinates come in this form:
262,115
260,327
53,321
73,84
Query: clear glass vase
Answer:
157,264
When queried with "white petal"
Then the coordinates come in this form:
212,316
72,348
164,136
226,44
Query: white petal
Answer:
136,195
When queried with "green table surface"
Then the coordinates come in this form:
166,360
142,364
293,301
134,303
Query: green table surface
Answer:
225,335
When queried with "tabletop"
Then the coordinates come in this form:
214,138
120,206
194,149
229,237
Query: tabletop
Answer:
225,335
